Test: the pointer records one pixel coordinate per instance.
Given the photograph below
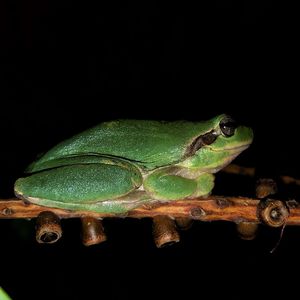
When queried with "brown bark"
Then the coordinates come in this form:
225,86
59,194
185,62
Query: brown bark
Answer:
48,229
290,180
239,170
164,231
213,208
247,230
92,231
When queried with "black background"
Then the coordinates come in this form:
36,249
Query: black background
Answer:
66,66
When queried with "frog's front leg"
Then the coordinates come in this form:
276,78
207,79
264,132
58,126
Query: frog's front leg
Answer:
205,184
163,185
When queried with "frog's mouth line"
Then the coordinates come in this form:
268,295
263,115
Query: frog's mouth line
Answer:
233,149
233,153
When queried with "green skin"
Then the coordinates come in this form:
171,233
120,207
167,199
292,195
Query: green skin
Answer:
119,165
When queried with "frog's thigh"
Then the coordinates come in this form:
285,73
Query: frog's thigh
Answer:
81,183
169,187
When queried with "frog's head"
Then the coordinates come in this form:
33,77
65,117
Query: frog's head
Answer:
215,147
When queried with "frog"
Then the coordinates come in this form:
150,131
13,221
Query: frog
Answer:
119,165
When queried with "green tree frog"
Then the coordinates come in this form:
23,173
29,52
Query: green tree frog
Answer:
119,165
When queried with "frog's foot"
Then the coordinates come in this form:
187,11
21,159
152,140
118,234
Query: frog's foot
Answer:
154,204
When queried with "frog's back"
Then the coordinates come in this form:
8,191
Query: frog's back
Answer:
149,144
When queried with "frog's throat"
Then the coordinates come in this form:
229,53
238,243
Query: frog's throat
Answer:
234,152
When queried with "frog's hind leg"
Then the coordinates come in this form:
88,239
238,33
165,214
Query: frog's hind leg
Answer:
80,186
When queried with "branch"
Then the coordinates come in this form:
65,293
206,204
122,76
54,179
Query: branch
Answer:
250,172
239,170
247,213
212,208
290,180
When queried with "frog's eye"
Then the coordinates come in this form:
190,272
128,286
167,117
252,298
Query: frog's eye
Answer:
228,126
